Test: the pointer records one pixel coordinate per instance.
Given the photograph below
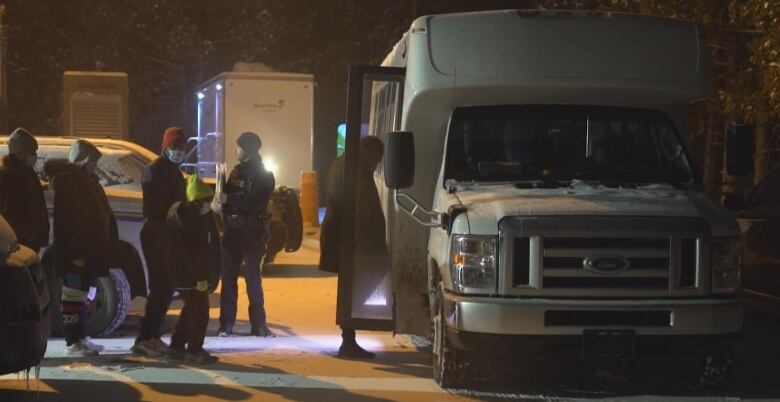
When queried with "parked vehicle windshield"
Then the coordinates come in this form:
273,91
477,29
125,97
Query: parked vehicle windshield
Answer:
555,145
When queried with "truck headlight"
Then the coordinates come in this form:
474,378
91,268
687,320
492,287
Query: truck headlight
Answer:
473,263
726,265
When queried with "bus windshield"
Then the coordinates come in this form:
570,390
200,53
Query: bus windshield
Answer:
556,145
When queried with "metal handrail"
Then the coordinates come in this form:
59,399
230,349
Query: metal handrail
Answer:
433,217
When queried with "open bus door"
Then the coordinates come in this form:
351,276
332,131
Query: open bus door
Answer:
365,286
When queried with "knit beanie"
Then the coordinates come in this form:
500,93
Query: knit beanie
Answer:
197,189
22,142
82,151
249,142
173,135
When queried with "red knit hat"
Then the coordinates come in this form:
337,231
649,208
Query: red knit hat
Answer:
173,135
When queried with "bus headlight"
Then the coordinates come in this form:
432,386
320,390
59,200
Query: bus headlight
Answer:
726,265
473,263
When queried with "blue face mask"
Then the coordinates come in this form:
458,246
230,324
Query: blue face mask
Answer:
175,155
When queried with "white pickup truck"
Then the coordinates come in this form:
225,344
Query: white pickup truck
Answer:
538,195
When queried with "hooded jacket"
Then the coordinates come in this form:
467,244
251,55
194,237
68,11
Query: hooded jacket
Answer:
82,228
191,246
22,203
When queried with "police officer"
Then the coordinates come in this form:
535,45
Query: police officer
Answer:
246,195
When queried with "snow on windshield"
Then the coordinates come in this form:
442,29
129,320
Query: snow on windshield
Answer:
118,168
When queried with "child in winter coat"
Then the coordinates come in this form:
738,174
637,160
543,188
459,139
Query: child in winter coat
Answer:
187,243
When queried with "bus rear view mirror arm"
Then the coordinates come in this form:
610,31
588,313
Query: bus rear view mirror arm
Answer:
419,213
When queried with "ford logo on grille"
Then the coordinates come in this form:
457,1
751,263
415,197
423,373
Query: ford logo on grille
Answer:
605,264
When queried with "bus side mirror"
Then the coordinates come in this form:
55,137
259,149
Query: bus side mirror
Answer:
739,149
399,160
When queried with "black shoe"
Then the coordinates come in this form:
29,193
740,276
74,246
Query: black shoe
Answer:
224,332
176,353
353,350
200,357
262,331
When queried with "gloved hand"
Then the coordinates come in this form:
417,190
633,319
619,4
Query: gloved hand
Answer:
202,286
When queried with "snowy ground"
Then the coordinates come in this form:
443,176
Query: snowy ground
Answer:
300,365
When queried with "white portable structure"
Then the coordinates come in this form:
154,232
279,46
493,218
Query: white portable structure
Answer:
279,107
95,104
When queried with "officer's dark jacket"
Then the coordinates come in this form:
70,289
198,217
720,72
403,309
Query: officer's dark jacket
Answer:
163,185
22,203
248,188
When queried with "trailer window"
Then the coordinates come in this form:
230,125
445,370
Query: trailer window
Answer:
565,143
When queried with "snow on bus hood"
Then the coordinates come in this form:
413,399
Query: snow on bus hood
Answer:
494,202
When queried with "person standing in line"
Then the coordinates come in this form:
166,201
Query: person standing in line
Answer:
369,230
163,185
21,195
84,235
187,248
247,192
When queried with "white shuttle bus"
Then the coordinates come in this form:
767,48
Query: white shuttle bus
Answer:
538,194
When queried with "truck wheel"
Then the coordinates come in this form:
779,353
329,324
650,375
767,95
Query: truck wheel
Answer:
109,309
451,367
714,370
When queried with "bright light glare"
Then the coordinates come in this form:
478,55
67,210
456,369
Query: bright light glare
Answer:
271,165
201,95
219,87
377,298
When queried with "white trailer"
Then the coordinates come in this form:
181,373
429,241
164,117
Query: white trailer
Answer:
277,106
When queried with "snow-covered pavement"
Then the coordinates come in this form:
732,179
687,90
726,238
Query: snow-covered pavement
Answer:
300,364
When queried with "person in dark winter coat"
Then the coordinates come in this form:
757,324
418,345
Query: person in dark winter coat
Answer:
187,245
163,186
21,194
84,235
247,191
369,230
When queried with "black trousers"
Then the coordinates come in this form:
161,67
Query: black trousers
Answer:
194,318
252,257
160,290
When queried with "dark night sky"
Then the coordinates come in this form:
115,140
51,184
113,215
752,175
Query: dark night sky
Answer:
169,47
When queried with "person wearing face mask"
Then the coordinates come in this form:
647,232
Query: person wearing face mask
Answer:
21,194
187,247
84,235
247,192
163,186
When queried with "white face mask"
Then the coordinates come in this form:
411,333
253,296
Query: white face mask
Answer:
175,155
241,154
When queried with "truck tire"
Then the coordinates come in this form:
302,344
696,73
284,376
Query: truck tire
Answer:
276,241
106,313
451,367
713,370
109,309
